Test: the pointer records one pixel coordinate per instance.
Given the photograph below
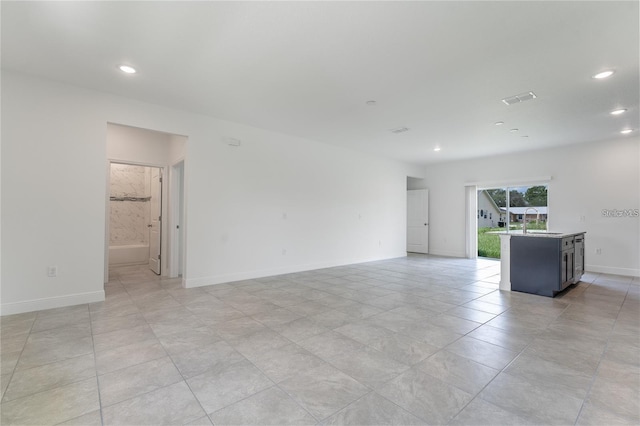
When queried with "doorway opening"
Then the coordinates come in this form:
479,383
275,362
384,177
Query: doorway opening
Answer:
135,215
507,209
155,201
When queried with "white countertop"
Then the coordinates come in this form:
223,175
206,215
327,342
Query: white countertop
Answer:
538,233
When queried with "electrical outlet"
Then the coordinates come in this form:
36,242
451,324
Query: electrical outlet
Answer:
583,218
284,216
598,251
284,252
52,271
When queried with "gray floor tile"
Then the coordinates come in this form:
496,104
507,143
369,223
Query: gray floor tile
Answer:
332,319
275,317
482,352
330,344
453,323
471,314
587,339
136,380
368,366
300,329
309,308
491,308
458,371
172,315
53,406
286,361
617,397
359,310
50,376
43,352
93,418
323,390
268,407
596,414
13,343
483,413
8,362
372,409
202,421
217,389
541,404
171,405
585,354
392,321
107,324
256,343
496,336
13,328
537,370
114,339
48,322
425,396
189,339
214,357
125,356
429,333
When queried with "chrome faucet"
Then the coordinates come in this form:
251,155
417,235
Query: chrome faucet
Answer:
524,218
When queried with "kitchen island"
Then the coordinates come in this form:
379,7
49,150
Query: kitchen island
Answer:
540,262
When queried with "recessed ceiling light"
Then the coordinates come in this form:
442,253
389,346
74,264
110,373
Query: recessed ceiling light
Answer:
524,136
127,69
499,123
513,130
604,74
399,130
436,149
371,103
626,131
618,111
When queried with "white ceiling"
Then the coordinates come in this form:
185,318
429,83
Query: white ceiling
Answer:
308,68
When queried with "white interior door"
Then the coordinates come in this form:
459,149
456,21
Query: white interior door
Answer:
418,221
155,227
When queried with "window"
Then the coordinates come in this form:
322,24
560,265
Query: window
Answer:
509,204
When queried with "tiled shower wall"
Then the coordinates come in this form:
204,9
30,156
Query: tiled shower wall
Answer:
129,219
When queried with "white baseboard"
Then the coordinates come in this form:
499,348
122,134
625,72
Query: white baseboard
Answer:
627,272
448,253
51,302
248,275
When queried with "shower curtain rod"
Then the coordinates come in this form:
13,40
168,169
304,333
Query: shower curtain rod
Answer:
112,198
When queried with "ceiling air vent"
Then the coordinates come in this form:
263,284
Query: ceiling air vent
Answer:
522,97
399,130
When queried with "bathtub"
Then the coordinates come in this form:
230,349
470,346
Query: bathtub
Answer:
134,254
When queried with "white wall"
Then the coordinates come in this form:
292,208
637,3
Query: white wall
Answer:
341,206
586,178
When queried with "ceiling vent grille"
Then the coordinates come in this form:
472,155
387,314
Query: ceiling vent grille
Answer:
522,97
399,130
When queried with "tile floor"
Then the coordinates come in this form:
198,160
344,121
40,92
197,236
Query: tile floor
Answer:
415,340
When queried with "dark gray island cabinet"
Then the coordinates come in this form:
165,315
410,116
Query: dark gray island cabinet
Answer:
546,264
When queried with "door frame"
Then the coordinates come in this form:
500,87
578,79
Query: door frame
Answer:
177,217
165,213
